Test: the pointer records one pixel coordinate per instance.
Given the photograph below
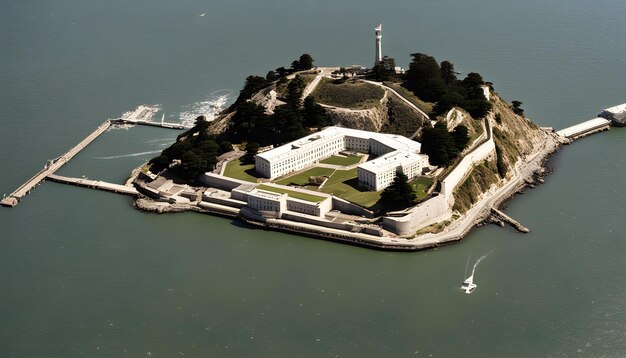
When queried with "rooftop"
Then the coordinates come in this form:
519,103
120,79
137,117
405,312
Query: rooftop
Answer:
394,141
390,161
617,109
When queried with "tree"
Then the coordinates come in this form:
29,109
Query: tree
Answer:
460,137
447,73
384,69
516,108
193,164
225,147
294,92
282,72
439,145
306,62
253,84
399,194
424,78
271,76
314,114
251,150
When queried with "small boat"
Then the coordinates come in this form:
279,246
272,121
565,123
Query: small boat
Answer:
468,285
204,13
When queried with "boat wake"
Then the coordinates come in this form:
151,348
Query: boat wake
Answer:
208,108
129,155
479,260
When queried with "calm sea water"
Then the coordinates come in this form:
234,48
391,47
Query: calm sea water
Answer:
84,274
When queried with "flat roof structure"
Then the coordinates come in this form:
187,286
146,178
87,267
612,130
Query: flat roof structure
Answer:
617,109
390,160
394,141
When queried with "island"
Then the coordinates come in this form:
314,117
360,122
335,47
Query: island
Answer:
381,157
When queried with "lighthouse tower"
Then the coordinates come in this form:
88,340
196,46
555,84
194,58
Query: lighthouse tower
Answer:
379,37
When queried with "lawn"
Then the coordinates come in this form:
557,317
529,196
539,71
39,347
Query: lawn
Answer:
235,169
420,186
303,178
344,184
293,194
343,161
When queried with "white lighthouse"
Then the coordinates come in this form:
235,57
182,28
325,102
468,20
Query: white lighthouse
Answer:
379,50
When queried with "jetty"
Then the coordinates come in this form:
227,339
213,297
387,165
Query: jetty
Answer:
585,128
142,115
95,184
52,166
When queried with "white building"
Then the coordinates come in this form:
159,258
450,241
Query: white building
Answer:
303,152
378,174
263,200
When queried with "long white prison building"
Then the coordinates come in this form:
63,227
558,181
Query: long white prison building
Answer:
394,152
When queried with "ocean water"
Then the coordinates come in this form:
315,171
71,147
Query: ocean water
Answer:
84,274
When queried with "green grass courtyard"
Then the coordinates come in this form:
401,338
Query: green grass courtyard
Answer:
236,169
343,161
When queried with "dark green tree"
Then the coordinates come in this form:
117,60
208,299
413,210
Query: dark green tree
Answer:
424,78
460,137
314,114
253,85
282,72
294,92
516,108
399,194
439,145
384,69
251,150
225,147
193,164
447,73
271,76
305,62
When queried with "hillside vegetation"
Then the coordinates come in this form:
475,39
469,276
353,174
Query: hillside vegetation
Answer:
348,94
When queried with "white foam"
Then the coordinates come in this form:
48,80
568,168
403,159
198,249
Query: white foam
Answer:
129,155
208,108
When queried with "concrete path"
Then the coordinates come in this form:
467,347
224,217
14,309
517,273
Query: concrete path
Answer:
409,103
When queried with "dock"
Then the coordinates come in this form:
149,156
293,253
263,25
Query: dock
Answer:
142,116
95,184
52,166
585,128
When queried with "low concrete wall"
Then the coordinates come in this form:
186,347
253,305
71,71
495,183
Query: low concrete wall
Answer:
439,208
224,201
314,221
349,208
220,182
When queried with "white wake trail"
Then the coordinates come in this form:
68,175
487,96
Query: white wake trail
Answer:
129,155
479,260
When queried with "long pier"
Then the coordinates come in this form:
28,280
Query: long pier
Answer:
142,116
585,128
95,184
52,166
149,123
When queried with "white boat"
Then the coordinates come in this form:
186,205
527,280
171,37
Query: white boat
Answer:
468,285
202,15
